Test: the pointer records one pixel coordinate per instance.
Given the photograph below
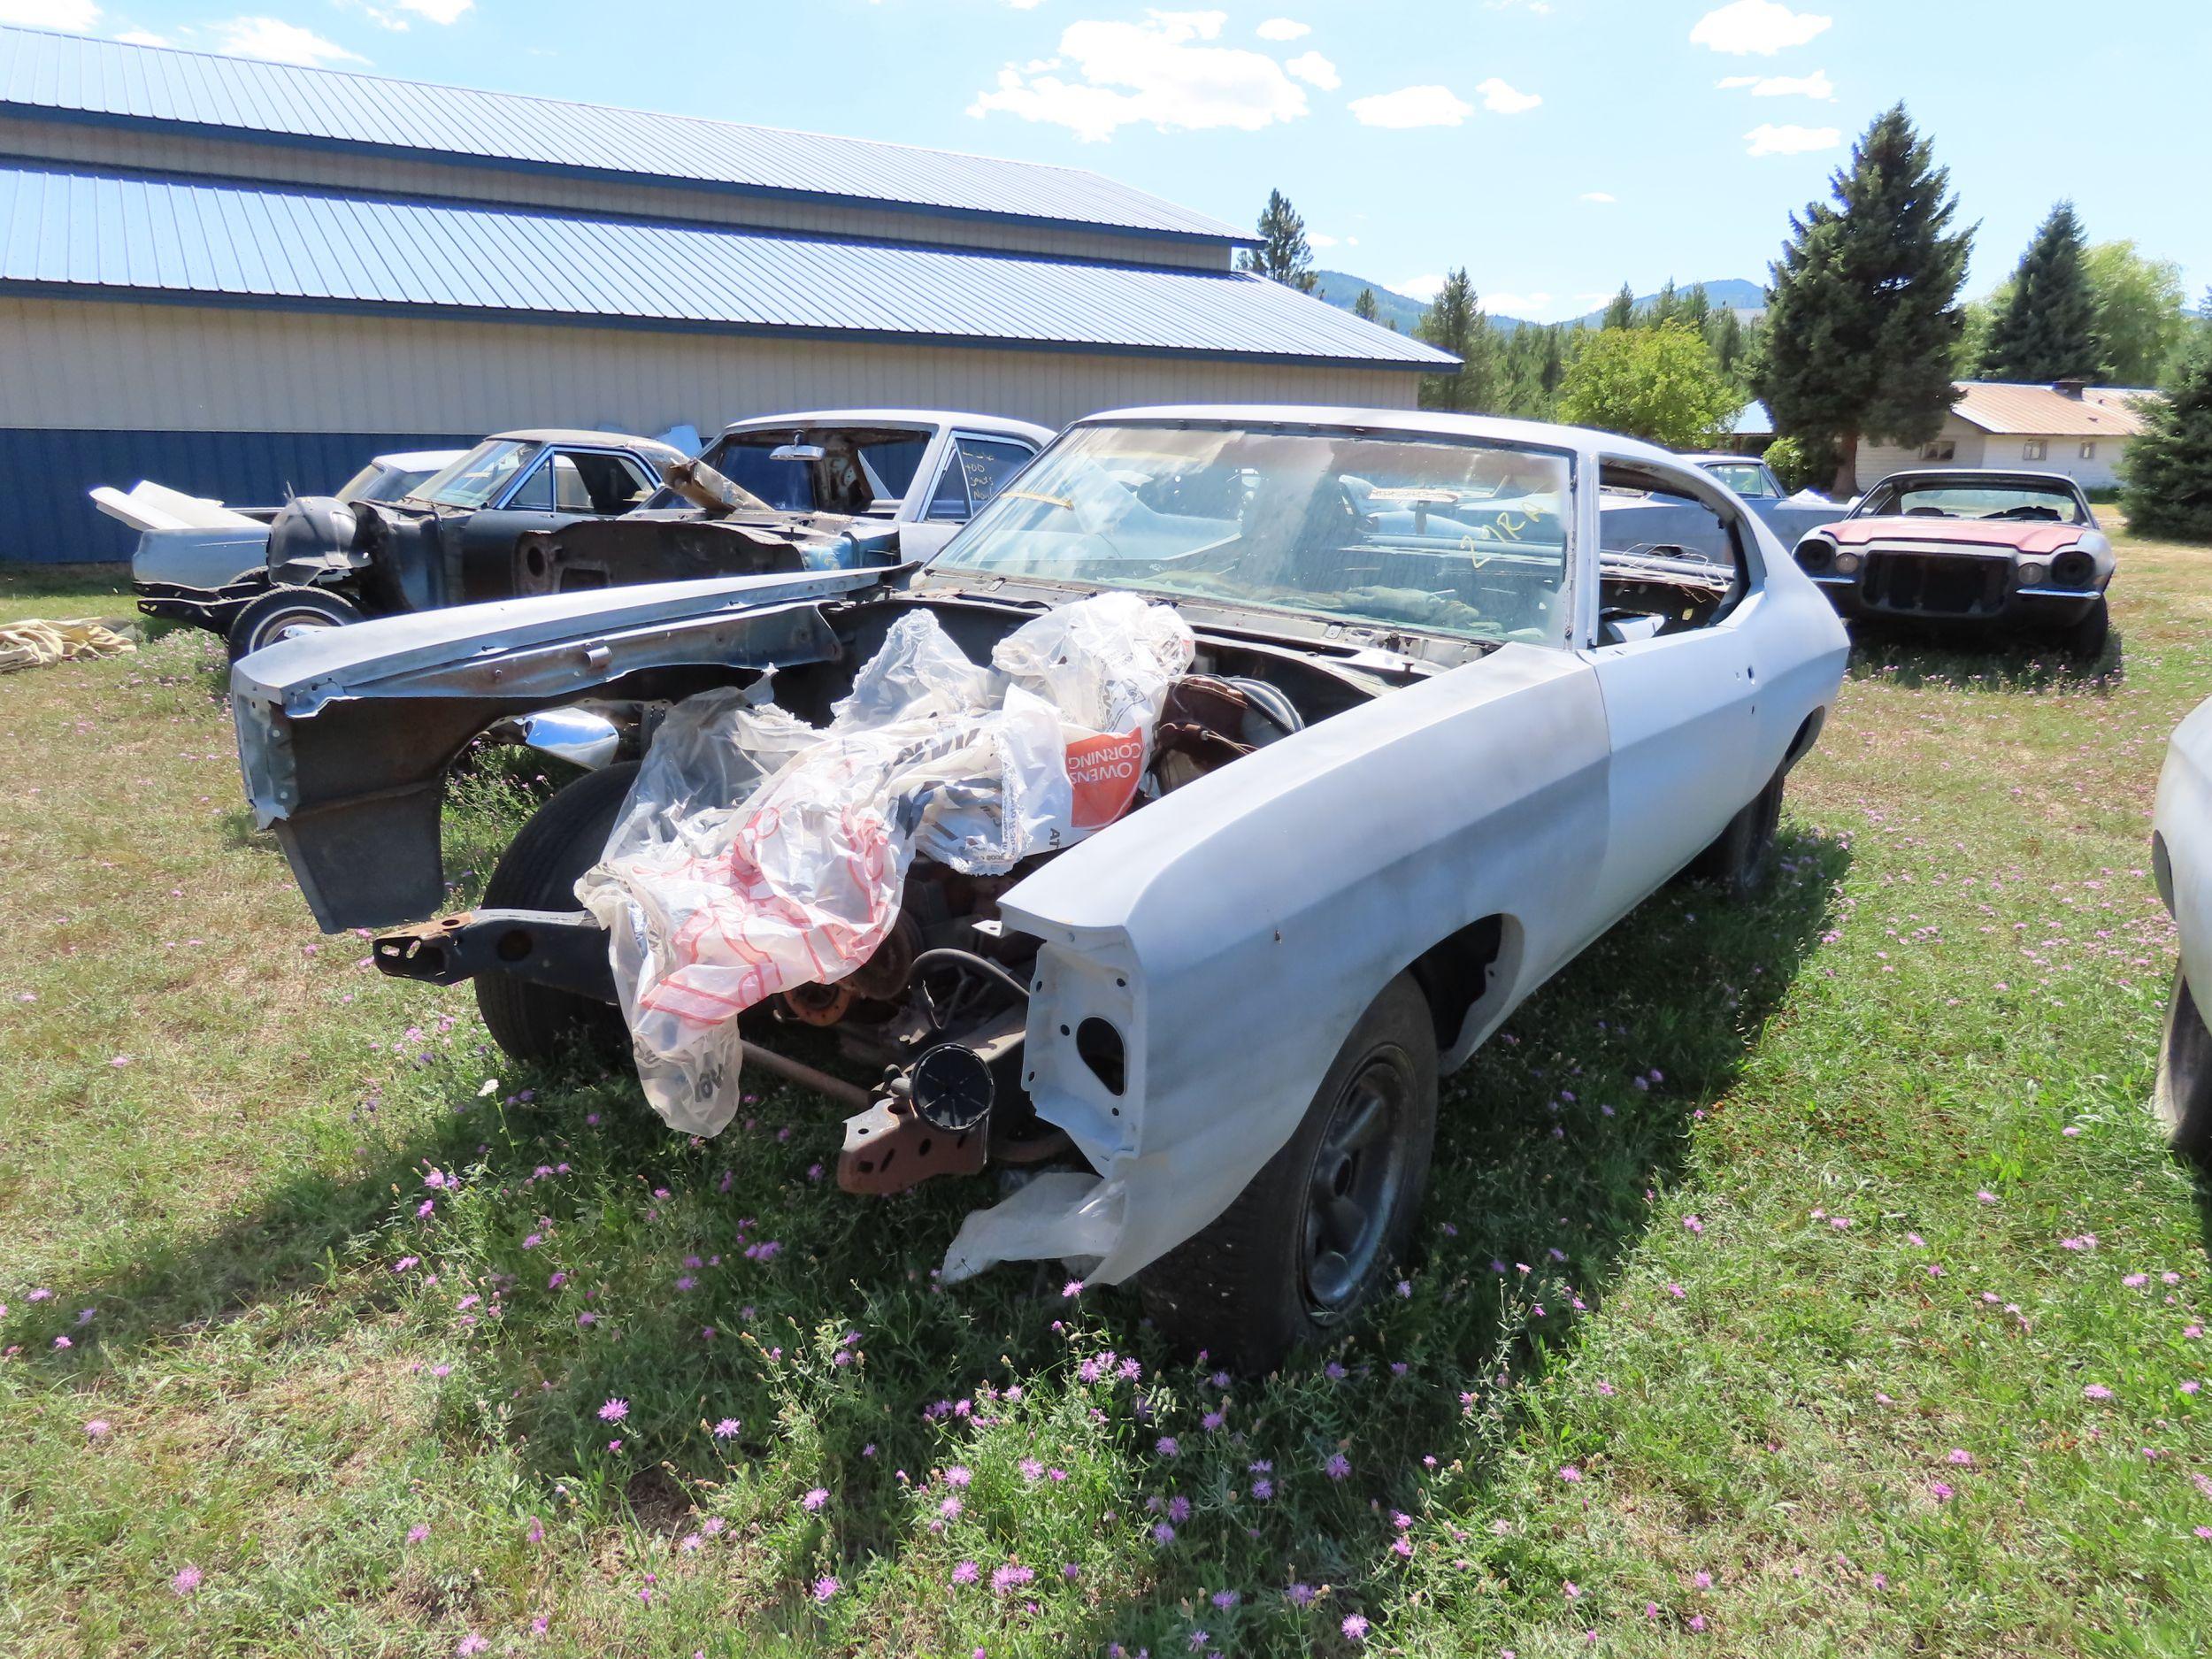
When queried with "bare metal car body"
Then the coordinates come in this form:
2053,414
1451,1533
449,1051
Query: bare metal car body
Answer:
820,489
1468,811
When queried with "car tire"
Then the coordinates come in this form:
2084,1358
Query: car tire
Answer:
2184,1092
283,612
2084,639
1739,860
538,871
1306,1244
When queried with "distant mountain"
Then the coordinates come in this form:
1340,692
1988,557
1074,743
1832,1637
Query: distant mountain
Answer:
1341,289
1748,300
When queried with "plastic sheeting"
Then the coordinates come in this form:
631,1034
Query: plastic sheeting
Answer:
756,853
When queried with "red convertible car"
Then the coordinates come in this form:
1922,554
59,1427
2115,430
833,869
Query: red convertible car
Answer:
2018,550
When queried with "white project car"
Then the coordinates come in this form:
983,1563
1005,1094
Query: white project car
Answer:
2181,859
1423,736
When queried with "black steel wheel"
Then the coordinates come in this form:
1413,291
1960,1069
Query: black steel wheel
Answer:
1739,860
538,871
2183,1095
283,612
2084,639
1304,1246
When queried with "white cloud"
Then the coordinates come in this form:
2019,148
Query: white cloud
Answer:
1412,106
1024,5
438,11
1790,140
1315,70
1815,85
1602,199
1281,29
1152,72
1319,241
1419,287
1762,27
143,37
73,17
1501,99
279,42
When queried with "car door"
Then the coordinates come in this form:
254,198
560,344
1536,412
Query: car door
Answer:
565,484
976,467
1679,696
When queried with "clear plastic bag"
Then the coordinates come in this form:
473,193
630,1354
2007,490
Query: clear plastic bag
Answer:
756,853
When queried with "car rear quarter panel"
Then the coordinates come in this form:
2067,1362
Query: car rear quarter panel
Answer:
2182,827
1233,932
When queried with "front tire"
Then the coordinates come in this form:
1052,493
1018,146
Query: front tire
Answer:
283,612
2183,1095
2084,639
1739,860
1305,1246
538,871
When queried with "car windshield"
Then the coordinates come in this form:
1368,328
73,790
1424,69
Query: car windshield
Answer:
859,470
1991,498
1747,478
378,481
478,476
1443,534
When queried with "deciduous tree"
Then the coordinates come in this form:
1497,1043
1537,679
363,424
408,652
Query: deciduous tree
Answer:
1862,306
2139,319
1658,384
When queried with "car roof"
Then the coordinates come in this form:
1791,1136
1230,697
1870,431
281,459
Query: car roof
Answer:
1966,477
1711,456
583,438
417,460
1431,422
930,417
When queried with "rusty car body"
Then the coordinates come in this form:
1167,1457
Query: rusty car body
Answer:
818,489
2007,552
1436,736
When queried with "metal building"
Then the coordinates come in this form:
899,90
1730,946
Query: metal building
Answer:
237,278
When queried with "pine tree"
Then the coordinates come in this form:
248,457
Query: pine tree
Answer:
1283,255
2166,475
1620,311
1724,334
1363,307
1554,369
1697,308
1666,306
1454,322
2047,329
1863,305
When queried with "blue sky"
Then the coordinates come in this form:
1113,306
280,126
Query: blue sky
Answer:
1554,147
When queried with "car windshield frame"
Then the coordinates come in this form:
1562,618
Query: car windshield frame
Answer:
884,501
978,552
467,481
1887,500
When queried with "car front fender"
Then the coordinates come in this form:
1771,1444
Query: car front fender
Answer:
1232,933
344,734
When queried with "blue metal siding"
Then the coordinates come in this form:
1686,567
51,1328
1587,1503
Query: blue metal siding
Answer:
138,238
46,517
74,77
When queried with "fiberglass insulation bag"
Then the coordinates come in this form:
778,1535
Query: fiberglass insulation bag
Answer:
756,853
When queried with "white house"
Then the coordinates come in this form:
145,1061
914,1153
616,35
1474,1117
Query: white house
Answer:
2069,427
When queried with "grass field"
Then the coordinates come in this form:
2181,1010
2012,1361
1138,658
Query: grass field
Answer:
1800,1277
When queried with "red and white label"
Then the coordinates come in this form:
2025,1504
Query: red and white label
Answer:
1104,770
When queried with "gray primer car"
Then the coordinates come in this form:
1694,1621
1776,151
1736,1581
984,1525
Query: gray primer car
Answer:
1437,739
2181,859
818,489
1788,516
1958,547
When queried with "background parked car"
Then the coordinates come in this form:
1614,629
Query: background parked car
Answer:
2003,551
1788,516
826,489
2181,858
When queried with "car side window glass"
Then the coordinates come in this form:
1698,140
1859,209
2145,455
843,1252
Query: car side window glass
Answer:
1669,561
949,499
534,493
987,464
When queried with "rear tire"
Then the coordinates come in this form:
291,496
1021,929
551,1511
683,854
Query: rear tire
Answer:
2084,639
1739,860
1306,1244
284,611
2184,1095
538,871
